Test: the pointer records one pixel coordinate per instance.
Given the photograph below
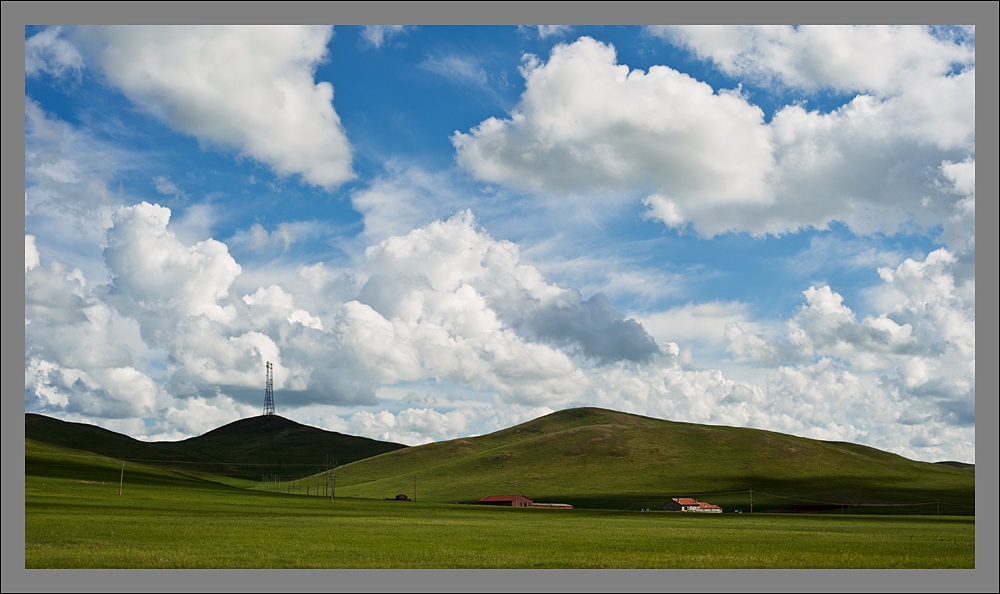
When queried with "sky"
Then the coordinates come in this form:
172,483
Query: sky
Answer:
441,231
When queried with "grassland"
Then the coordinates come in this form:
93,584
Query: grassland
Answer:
75,518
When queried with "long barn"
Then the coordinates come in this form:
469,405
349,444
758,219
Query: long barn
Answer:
687,504
506,500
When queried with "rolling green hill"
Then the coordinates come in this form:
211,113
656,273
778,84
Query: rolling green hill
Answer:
598,458
248,448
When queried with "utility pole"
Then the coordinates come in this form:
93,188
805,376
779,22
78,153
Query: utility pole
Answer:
414,487
751,500
121,481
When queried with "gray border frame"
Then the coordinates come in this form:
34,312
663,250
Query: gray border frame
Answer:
15,15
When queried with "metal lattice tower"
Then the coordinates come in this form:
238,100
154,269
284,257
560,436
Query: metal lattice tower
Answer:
269,390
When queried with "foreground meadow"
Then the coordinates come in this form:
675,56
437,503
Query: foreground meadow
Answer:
168,523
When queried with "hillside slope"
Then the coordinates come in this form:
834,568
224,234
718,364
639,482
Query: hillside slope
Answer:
47,462
91,438
592,457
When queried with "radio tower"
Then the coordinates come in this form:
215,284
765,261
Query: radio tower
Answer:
269,390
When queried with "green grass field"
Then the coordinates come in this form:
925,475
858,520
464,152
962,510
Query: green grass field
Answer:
75,518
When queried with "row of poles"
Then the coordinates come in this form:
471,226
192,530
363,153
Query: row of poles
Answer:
272,482
304,486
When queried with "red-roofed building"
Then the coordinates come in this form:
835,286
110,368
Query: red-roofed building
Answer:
506,500
687,504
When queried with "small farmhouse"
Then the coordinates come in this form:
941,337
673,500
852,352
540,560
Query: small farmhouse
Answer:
687,504
681,504
506,500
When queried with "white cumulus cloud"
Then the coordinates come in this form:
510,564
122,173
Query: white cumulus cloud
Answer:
248,88
587,125
870,59
80,354
157,275
918,355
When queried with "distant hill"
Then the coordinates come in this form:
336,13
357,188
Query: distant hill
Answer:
592,457
279,446
961,465
248,448
91,438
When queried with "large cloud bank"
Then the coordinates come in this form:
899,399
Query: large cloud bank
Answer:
445,301
447,309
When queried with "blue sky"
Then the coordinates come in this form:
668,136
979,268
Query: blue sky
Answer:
439,231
